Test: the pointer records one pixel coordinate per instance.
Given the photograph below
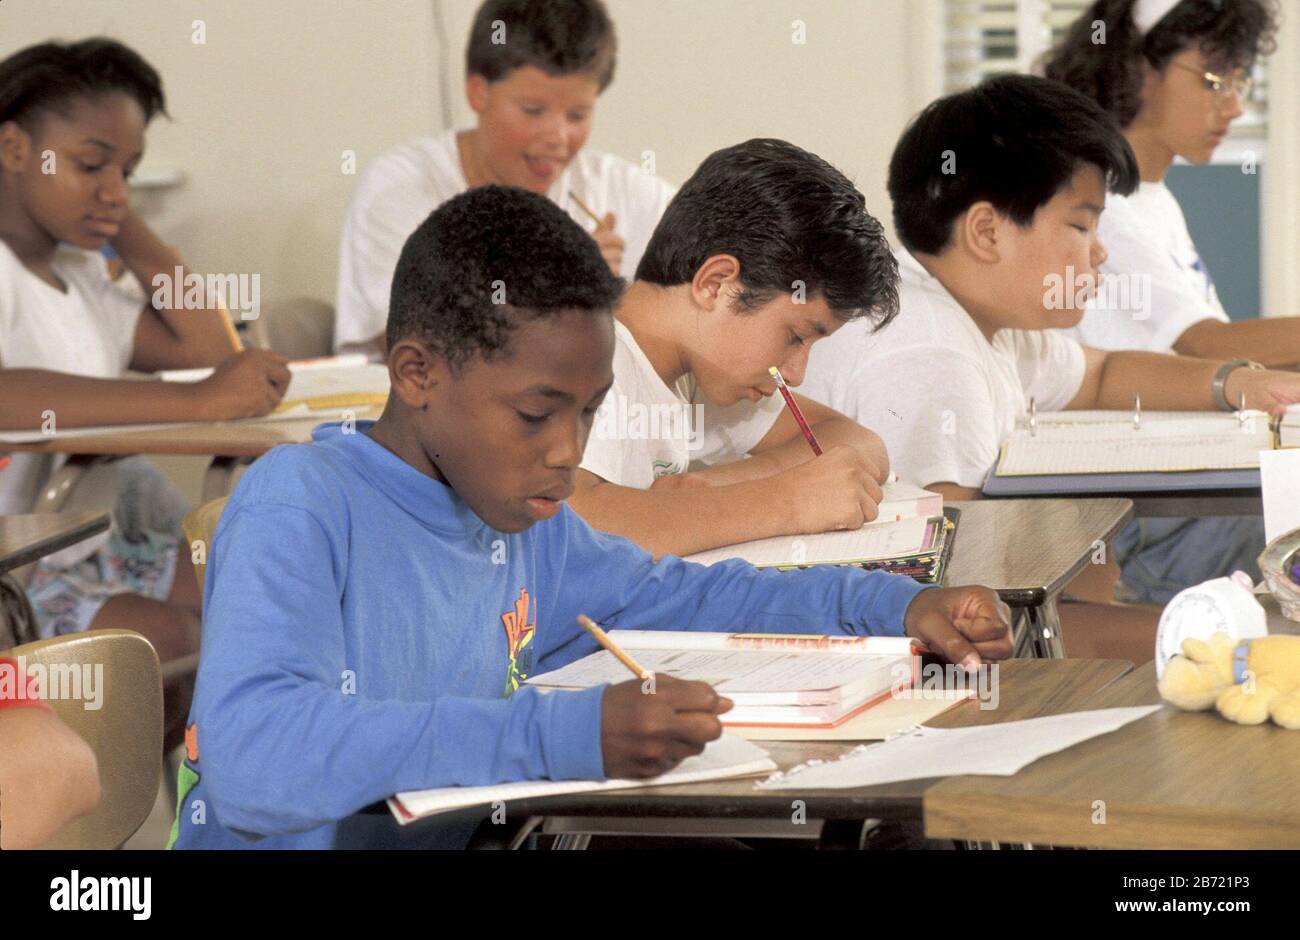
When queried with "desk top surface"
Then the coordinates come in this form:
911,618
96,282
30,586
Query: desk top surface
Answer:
1027,688
215,439
1174,779
1029,549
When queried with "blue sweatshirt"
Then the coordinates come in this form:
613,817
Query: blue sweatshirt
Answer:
365,633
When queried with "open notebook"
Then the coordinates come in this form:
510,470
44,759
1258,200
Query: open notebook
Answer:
773,679
327,383
918,548
1072,442
726,757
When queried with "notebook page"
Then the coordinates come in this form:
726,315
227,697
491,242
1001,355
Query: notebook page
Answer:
728,756
869,543
731,671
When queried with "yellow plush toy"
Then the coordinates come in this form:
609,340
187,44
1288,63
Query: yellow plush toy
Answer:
1248,681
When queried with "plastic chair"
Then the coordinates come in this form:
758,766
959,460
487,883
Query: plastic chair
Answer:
125,731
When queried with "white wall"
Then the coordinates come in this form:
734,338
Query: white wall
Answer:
265,107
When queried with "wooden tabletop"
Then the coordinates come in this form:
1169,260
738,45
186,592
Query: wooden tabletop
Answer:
1026,688
24,539
1172,780
213,439
1029,549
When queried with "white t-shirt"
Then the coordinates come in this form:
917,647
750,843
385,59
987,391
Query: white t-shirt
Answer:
88,331
941,396
1164,287
645,430
398,190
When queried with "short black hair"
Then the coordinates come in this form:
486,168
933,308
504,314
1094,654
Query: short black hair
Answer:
51,75
488,260
1014,141
560,37
1231,33
786,215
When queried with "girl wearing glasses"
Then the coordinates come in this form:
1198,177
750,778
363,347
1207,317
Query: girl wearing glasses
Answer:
1175,75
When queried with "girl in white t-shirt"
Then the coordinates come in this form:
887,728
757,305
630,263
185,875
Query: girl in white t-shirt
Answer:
1175,74
72,122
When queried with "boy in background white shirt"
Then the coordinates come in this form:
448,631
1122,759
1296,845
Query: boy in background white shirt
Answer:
997,193
764,250
534,71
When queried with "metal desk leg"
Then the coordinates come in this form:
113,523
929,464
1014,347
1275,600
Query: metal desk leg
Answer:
219,477
1044,627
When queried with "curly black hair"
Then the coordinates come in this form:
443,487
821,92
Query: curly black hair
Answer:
487,261
1014,141
560,37
786,215
1231,33
50,75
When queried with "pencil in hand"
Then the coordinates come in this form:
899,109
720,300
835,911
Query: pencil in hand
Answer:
603,639
794,410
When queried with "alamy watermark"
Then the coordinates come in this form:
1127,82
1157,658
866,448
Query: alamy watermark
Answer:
82,682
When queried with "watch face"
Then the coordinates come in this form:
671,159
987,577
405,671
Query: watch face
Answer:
1192,613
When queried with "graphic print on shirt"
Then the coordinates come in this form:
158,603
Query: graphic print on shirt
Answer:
519,639
187,778
666,468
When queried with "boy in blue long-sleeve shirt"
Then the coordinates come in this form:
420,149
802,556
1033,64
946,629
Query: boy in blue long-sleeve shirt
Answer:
376,597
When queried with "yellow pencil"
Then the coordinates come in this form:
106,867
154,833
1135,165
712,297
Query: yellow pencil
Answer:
229,324
603,639
586,208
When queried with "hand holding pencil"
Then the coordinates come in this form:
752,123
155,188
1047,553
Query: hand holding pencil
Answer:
607,240
652,723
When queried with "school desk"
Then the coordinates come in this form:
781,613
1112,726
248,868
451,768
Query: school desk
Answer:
1027,688
1194,494
1172,780
28,538
228,444
1028,550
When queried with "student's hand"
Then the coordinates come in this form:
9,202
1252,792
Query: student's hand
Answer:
1269,390
964,625
837,490
645,733
611,246
247,385
680,481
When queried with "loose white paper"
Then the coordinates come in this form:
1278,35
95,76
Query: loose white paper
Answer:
1279,473
726,757
1001,750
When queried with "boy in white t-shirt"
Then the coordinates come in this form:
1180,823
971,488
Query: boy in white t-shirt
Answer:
1174,75
72,123
534,71
997,193
764,250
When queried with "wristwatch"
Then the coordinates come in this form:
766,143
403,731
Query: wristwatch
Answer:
1221,381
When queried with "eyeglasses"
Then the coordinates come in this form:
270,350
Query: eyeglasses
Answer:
1240,85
